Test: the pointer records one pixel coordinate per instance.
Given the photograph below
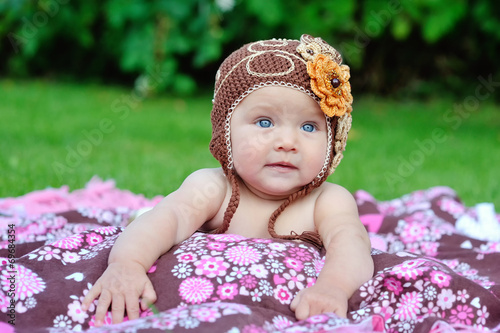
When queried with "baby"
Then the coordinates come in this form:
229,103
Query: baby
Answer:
280,117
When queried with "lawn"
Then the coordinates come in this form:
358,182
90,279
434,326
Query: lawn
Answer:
54,134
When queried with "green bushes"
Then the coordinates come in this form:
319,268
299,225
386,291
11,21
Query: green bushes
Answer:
392,46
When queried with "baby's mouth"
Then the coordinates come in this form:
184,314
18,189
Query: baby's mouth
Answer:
282,166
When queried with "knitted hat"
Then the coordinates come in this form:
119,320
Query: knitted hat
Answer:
310,66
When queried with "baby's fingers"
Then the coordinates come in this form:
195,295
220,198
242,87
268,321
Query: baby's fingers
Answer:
132,305
117,308
148,296
301,308
102,307
93,293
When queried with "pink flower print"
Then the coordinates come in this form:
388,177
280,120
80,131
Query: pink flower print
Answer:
413,232
227,290
384,308
360,314
431,310
62,321
4,302
3,261
69,243
282,294
446,299
93,238
238,271
248,281
165,322
470,272
27,283
216,246
310,282
266,288
462,315
206,314
482,315
370,288
429,248
182,270
274,266
451,206
259,271
106,230
300,254
317,319
410,269
107,320
189,323
294,264
462,296
453,264
409,306
91,212
242,255
227,238
295,280
47,253
430,293
76,313
278,247
271,254
256,295
178,313
253,329
187,257
318,265
440,278
281,322
196,290
106,216
211,266
70,257
36,228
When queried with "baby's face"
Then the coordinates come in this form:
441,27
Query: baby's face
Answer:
278,140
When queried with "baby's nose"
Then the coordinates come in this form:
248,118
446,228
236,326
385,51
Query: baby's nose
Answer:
286,140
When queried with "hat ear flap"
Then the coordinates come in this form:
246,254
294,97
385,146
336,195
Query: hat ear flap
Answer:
341,131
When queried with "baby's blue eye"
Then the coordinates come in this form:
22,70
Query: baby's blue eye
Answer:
308,128
264,123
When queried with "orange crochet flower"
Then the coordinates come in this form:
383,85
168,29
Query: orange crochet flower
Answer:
330,82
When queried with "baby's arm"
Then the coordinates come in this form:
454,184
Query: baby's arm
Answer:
348,262
174,219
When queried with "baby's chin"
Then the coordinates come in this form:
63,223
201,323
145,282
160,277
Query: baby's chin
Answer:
274,192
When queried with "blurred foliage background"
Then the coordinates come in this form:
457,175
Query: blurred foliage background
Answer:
147,67
396,47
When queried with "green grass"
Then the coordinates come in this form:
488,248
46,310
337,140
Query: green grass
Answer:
54,134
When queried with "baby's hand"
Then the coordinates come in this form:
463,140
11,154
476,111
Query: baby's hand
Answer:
122,286
319,299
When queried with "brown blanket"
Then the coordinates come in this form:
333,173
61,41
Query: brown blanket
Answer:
428,275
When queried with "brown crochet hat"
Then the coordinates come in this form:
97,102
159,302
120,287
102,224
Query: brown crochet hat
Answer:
310,66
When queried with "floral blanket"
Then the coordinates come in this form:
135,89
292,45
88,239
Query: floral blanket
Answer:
430,275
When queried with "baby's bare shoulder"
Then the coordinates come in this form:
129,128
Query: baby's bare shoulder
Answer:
328,189
335,199
208,177
207,185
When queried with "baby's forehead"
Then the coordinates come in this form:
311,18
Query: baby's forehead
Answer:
278,94
282,100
